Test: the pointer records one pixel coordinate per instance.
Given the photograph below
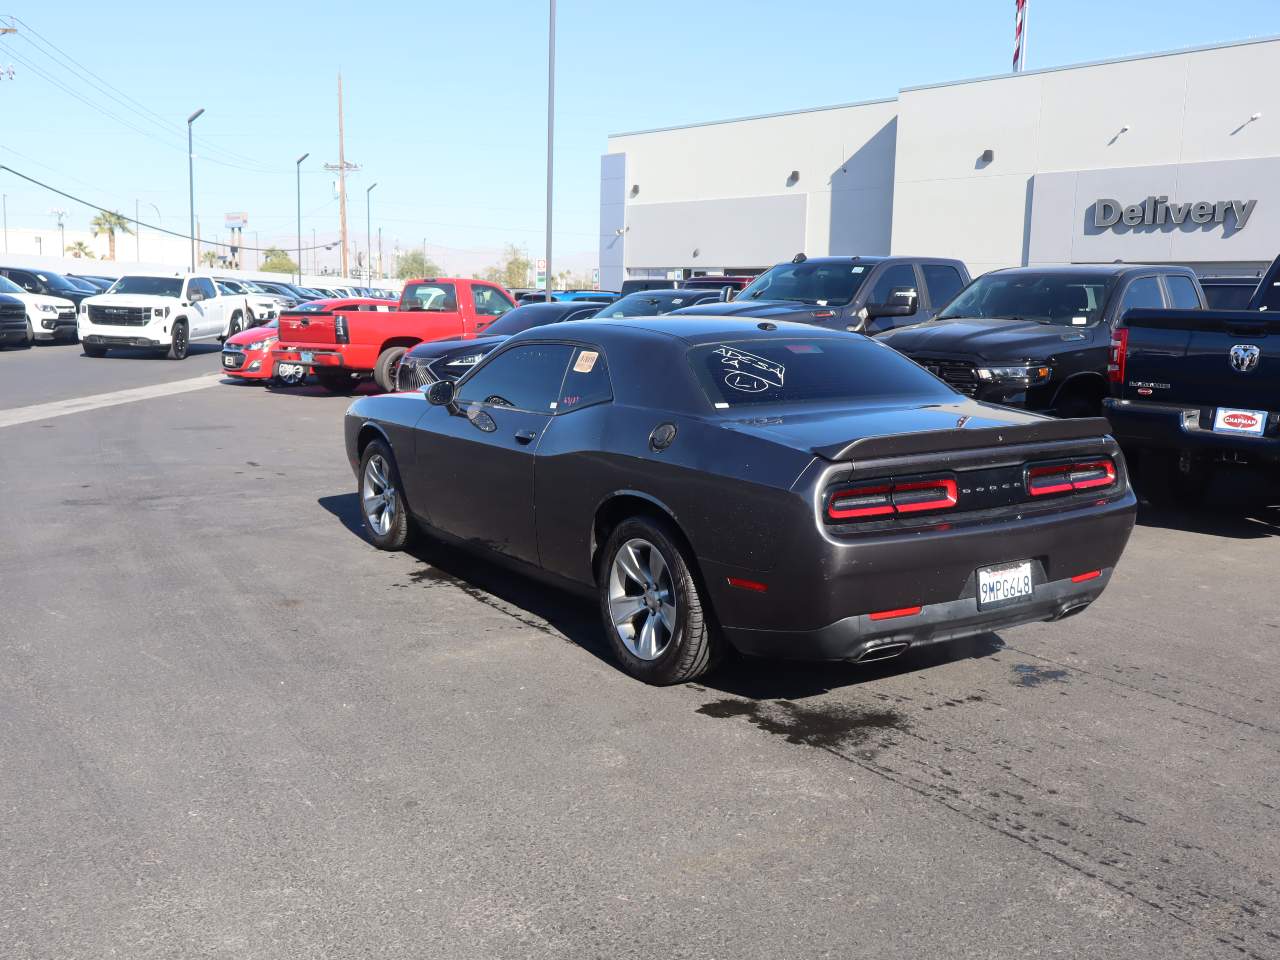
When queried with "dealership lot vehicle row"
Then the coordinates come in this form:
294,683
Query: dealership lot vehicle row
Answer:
220,746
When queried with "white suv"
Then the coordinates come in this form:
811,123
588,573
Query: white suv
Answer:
259,308
47,317
165,313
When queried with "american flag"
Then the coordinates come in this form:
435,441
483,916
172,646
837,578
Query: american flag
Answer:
1019,33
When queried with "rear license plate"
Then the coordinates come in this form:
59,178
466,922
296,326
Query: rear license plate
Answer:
1008,582
306,356
1228,420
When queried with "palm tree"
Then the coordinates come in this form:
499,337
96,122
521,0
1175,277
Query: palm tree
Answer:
79,249
209,258
108,223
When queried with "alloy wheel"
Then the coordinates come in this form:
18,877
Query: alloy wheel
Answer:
378,495
642,599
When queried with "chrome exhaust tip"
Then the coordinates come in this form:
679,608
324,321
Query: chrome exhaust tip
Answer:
884,651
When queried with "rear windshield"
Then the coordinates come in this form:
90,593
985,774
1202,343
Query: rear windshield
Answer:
153,286
822,284
804,370
1061,299
653,303
435,297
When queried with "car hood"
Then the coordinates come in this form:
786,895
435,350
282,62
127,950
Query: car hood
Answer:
991,340
825,427
252,335
36,299
130,300
439,348
759,310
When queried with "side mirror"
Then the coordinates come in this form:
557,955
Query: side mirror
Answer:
195,296
440,393
727,294
902,303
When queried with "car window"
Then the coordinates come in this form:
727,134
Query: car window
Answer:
942,281
1143,292
586,381
25,280
204,285
224,288
1182,293
527,377
489,301
899,275
810,370
436,297
1228,296
1065,299
8,286
151,286
822,284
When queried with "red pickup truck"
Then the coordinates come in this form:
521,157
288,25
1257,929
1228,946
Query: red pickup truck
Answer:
345,346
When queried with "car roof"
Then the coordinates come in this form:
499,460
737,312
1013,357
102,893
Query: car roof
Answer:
693,329
1228,281
1099,269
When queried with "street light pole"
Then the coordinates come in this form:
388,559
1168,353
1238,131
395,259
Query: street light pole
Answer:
551,129
368,236
298,168
191,185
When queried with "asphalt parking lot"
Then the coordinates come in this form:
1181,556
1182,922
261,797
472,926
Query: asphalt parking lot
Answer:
230,728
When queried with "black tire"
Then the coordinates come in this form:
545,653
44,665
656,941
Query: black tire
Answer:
31,336
235,326
93,350
341,382
692,647
388,365
379,477
180,344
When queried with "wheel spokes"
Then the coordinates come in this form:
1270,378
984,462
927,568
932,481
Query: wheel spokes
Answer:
629,564
667,613
647,646
624,609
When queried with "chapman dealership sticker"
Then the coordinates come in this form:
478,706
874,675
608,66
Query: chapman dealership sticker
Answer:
586,361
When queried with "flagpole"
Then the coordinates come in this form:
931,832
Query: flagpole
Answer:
1026,18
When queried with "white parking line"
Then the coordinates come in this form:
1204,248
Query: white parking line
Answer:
60,408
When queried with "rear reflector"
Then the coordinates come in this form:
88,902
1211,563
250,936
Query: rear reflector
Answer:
1067,477
1082,577
1119,355
894,614
886,499
752,585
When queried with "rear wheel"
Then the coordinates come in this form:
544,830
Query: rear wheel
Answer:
382,506
93,350
178,347
651,605
387,368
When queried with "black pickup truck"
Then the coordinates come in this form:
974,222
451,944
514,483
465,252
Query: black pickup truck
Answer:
864,294
1039,337
1199,386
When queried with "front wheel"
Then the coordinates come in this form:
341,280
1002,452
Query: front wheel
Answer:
651,605
31,336
179,345
235,327
382,506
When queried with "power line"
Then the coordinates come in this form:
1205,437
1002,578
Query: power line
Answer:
149,226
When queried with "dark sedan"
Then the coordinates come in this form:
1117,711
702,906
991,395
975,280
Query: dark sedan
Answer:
450,359
656,303
789,491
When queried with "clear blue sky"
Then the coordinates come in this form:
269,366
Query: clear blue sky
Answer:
446,101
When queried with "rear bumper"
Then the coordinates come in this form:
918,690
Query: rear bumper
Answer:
1166,427
319,356
856,637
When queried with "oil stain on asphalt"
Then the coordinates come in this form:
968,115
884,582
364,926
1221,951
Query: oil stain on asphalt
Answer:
830,726
1029,675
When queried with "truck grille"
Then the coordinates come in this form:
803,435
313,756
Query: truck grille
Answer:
120,316
232,359
412,375
13,316
960,374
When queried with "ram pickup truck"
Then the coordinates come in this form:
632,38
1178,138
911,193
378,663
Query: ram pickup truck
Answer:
163,313
1194,387
861,294
1040,337
343,345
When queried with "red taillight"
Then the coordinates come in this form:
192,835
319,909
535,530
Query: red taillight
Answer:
1082,577
894,614
341,332
887,499
1119,355
1068,477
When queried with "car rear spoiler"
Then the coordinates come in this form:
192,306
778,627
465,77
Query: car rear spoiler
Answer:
1253,322
946,441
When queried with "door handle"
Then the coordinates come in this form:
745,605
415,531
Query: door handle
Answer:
526,437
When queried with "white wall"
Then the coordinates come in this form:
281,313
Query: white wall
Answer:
1180,108
840,202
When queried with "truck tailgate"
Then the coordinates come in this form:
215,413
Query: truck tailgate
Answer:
307,328
1210,358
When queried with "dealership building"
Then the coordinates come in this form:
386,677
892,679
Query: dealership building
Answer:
1166,158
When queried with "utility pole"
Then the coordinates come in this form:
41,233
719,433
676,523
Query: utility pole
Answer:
6,222
191,185
368,231
137,230
60,215
315,254
379,253
342,167
298,169
551,129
